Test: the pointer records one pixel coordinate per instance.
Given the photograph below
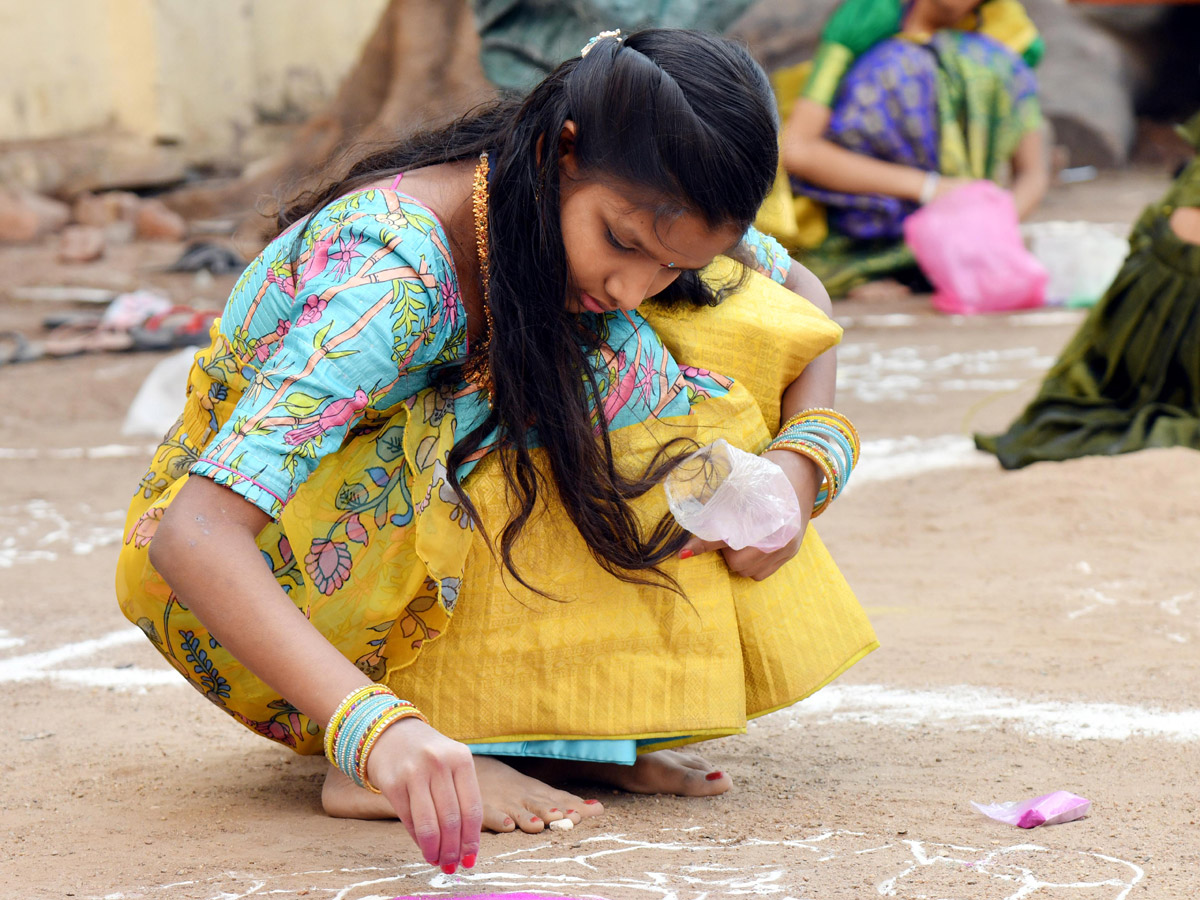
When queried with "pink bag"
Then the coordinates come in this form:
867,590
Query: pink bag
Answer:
968,243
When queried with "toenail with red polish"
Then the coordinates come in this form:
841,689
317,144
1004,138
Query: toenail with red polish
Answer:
591,802
555,809
508,823
569,811
534,819
713,776
469,861
450,868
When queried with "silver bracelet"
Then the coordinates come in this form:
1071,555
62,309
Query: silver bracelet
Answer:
929,187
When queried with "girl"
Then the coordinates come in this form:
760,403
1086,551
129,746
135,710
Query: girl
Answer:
900,105
416,460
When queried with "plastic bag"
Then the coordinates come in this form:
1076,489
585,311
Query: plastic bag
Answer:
1049,809
721,493
1082,259
969,245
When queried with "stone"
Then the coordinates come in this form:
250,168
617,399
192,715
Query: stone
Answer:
155,222
80,244
105,209
26,216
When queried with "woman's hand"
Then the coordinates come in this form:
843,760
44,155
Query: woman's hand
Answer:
758,564
430,781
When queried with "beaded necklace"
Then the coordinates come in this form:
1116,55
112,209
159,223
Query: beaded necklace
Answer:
478,366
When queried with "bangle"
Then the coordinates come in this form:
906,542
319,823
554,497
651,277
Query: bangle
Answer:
356,725
929,187
830,440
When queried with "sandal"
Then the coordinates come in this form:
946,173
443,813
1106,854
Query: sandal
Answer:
16,348
180,326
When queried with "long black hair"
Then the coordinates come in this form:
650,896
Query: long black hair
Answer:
687,122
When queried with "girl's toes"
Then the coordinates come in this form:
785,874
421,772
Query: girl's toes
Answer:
530,823
589,808
495,819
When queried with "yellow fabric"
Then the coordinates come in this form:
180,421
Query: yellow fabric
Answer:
798,223
1006,21
376,552
630,661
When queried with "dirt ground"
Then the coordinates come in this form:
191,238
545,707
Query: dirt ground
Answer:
1040,631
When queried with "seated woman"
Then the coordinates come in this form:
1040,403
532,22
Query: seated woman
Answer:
901,106
422,458
1130,378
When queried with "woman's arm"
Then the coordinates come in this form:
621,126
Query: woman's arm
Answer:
808,155
1030,172
205,550
814,387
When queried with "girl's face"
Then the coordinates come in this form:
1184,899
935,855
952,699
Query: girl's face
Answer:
619,253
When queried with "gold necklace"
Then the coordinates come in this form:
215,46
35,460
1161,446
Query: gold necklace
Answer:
478,368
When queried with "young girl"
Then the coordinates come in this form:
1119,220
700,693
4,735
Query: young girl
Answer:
417,459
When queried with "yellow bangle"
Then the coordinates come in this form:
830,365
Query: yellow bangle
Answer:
404,711
835,418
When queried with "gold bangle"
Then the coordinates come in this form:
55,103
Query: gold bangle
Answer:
395,714
830,417
827,470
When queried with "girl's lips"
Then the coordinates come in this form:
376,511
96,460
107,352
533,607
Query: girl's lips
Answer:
591,304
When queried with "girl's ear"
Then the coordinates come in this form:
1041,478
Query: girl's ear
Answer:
568,162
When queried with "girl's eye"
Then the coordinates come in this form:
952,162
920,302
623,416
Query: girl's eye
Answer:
612,239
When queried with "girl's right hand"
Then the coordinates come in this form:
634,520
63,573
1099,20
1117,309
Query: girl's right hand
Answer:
430,781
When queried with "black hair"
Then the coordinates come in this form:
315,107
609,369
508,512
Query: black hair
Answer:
685,119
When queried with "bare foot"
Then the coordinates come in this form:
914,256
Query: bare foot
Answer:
885,289
660,772
511,800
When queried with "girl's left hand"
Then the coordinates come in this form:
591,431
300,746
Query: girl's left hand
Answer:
757,564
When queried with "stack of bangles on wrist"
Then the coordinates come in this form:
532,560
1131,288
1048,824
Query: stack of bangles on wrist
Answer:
356,725
827,438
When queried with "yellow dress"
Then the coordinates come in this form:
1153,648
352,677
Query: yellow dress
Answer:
433,614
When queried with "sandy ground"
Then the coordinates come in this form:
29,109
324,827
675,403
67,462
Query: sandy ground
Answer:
1040,631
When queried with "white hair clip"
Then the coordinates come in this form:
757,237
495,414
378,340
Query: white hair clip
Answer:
601,36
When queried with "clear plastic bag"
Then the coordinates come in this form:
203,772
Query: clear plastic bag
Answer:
721,493
1049,809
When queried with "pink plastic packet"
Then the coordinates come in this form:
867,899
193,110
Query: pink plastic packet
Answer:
969,245
1049,809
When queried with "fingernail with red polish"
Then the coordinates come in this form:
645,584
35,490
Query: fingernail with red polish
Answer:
686,554
469,861
713,776
450,868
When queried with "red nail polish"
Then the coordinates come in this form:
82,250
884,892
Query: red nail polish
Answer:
450,868
555,809
569,811
469,861
686,554
713,776
534,819
591,802
508,823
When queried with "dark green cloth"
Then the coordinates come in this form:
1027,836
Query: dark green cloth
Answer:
1130,378
523,40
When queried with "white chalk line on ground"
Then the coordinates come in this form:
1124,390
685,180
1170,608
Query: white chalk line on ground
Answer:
965,707
924,374
959,706
715,866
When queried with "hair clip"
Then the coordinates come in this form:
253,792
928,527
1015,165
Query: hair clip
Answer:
601,36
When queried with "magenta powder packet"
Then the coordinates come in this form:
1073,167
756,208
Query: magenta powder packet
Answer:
1049,809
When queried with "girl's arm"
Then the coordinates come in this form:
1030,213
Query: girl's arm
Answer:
205,549
813,388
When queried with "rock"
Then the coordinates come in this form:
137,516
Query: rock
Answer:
155,222
26,216
105,209
80,244
562,825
